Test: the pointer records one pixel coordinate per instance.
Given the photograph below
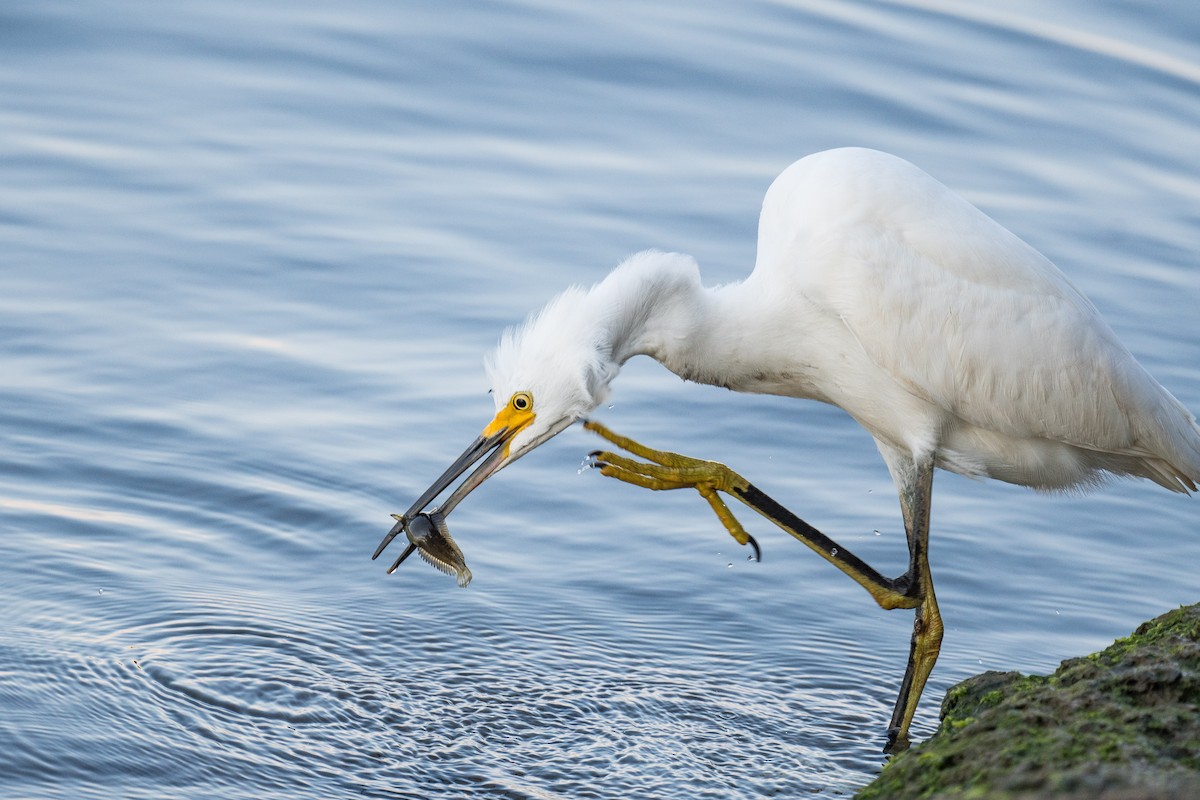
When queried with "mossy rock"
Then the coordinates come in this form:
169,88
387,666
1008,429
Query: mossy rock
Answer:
1121,724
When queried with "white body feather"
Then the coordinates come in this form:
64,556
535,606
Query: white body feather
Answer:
879,290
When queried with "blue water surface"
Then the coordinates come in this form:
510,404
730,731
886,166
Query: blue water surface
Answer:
252,255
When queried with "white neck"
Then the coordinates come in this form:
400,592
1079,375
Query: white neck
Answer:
656,306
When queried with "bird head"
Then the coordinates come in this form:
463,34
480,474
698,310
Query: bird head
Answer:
550,372
545,375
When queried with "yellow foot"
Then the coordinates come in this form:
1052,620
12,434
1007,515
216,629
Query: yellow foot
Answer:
664,470
897,742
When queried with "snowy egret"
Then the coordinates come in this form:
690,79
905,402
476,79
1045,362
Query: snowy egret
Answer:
882,292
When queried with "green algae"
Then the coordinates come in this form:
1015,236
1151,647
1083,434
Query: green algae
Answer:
1122,723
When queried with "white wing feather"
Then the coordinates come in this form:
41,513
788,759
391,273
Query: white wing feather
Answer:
965,315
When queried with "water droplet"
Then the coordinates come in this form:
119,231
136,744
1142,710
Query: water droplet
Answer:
99,591
729,566
876,531
833,551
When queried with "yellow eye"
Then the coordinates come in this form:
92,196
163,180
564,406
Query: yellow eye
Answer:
521,401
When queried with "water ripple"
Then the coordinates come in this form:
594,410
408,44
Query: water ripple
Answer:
253,255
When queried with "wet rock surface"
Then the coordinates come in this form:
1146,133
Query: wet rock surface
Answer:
1121,724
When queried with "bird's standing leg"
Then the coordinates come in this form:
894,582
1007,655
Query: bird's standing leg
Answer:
915,482
913,589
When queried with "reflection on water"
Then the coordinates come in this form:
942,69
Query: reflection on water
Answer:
253,256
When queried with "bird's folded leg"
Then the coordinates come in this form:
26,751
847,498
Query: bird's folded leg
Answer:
673,471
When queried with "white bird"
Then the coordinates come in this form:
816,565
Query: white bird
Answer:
880,291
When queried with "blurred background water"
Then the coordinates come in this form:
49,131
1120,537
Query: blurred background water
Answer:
252,254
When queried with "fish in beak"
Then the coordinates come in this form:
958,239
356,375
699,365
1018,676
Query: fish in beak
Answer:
428,533
429,536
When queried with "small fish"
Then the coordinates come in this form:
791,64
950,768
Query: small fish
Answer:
429,535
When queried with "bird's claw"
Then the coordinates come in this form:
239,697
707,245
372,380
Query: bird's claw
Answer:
750,540
664,470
